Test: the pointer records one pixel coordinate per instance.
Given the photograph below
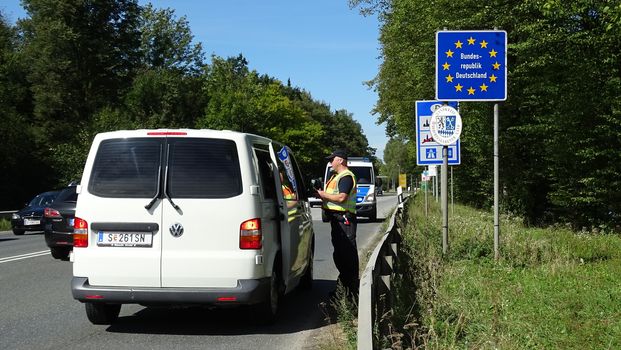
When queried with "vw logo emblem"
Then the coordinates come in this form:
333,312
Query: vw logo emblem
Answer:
176,230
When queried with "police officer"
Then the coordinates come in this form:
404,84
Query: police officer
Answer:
339,205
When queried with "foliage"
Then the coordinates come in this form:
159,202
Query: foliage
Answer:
166,42
559,128
19,154
346,315
397,157
81,55
75,68
5,225
552,288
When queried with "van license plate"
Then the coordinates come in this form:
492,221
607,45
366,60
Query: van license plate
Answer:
124,239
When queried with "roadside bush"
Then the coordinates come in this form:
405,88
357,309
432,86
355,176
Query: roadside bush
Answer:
5,225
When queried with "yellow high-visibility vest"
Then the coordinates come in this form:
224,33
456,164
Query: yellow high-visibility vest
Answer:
332,187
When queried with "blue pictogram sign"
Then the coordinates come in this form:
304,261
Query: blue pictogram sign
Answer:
471,65
429,151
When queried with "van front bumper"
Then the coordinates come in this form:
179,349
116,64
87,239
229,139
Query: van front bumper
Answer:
247,292
365,209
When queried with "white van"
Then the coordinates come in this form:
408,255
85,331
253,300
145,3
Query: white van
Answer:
189,217
366,202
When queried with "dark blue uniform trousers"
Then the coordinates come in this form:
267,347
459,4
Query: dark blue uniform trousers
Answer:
345,250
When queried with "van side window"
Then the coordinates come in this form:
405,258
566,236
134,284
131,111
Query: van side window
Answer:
126,168
266,173
203,168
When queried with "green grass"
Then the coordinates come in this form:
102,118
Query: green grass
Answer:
551,289
5,225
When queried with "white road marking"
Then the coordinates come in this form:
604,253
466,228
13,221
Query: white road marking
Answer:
24,256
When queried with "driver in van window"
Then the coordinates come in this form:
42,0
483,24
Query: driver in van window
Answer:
289,195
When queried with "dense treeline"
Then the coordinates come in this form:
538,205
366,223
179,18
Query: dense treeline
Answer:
560,128
74,68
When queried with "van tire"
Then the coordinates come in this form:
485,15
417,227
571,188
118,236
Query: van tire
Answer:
60,253
100,313
18,232
373,216
267,311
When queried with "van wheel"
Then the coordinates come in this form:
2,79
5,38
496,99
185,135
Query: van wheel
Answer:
266,311
100,313
373,216
60,253
18,232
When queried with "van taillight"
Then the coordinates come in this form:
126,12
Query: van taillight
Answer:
250,236
51,213
80,233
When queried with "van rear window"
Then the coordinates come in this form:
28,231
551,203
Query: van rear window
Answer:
126,168
197,168
203,168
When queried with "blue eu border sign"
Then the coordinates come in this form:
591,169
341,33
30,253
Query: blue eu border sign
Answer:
428,151
471,65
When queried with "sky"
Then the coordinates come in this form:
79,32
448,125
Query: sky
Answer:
322,46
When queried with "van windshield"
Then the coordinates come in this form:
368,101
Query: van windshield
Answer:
43,200
363,174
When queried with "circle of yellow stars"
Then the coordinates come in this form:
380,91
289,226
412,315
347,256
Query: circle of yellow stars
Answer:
483,87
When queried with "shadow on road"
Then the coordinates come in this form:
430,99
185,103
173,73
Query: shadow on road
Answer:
300,310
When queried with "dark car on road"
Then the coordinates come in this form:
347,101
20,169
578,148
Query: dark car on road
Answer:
58,223
29,218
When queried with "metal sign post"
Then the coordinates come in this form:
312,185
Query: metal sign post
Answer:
445,128
496,218
435,188
426,203
444,200
452,198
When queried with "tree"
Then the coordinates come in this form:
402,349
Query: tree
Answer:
18,181
166,90
166,42
563,105
81,56
396,159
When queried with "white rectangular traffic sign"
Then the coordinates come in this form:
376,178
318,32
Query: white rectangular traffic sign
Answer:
429,152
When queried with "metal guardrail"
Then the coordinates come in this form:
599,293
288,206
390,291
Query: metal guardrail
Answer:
375,297
7,213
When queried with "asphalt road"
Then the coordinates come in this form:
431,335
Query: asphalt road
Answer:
38,312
